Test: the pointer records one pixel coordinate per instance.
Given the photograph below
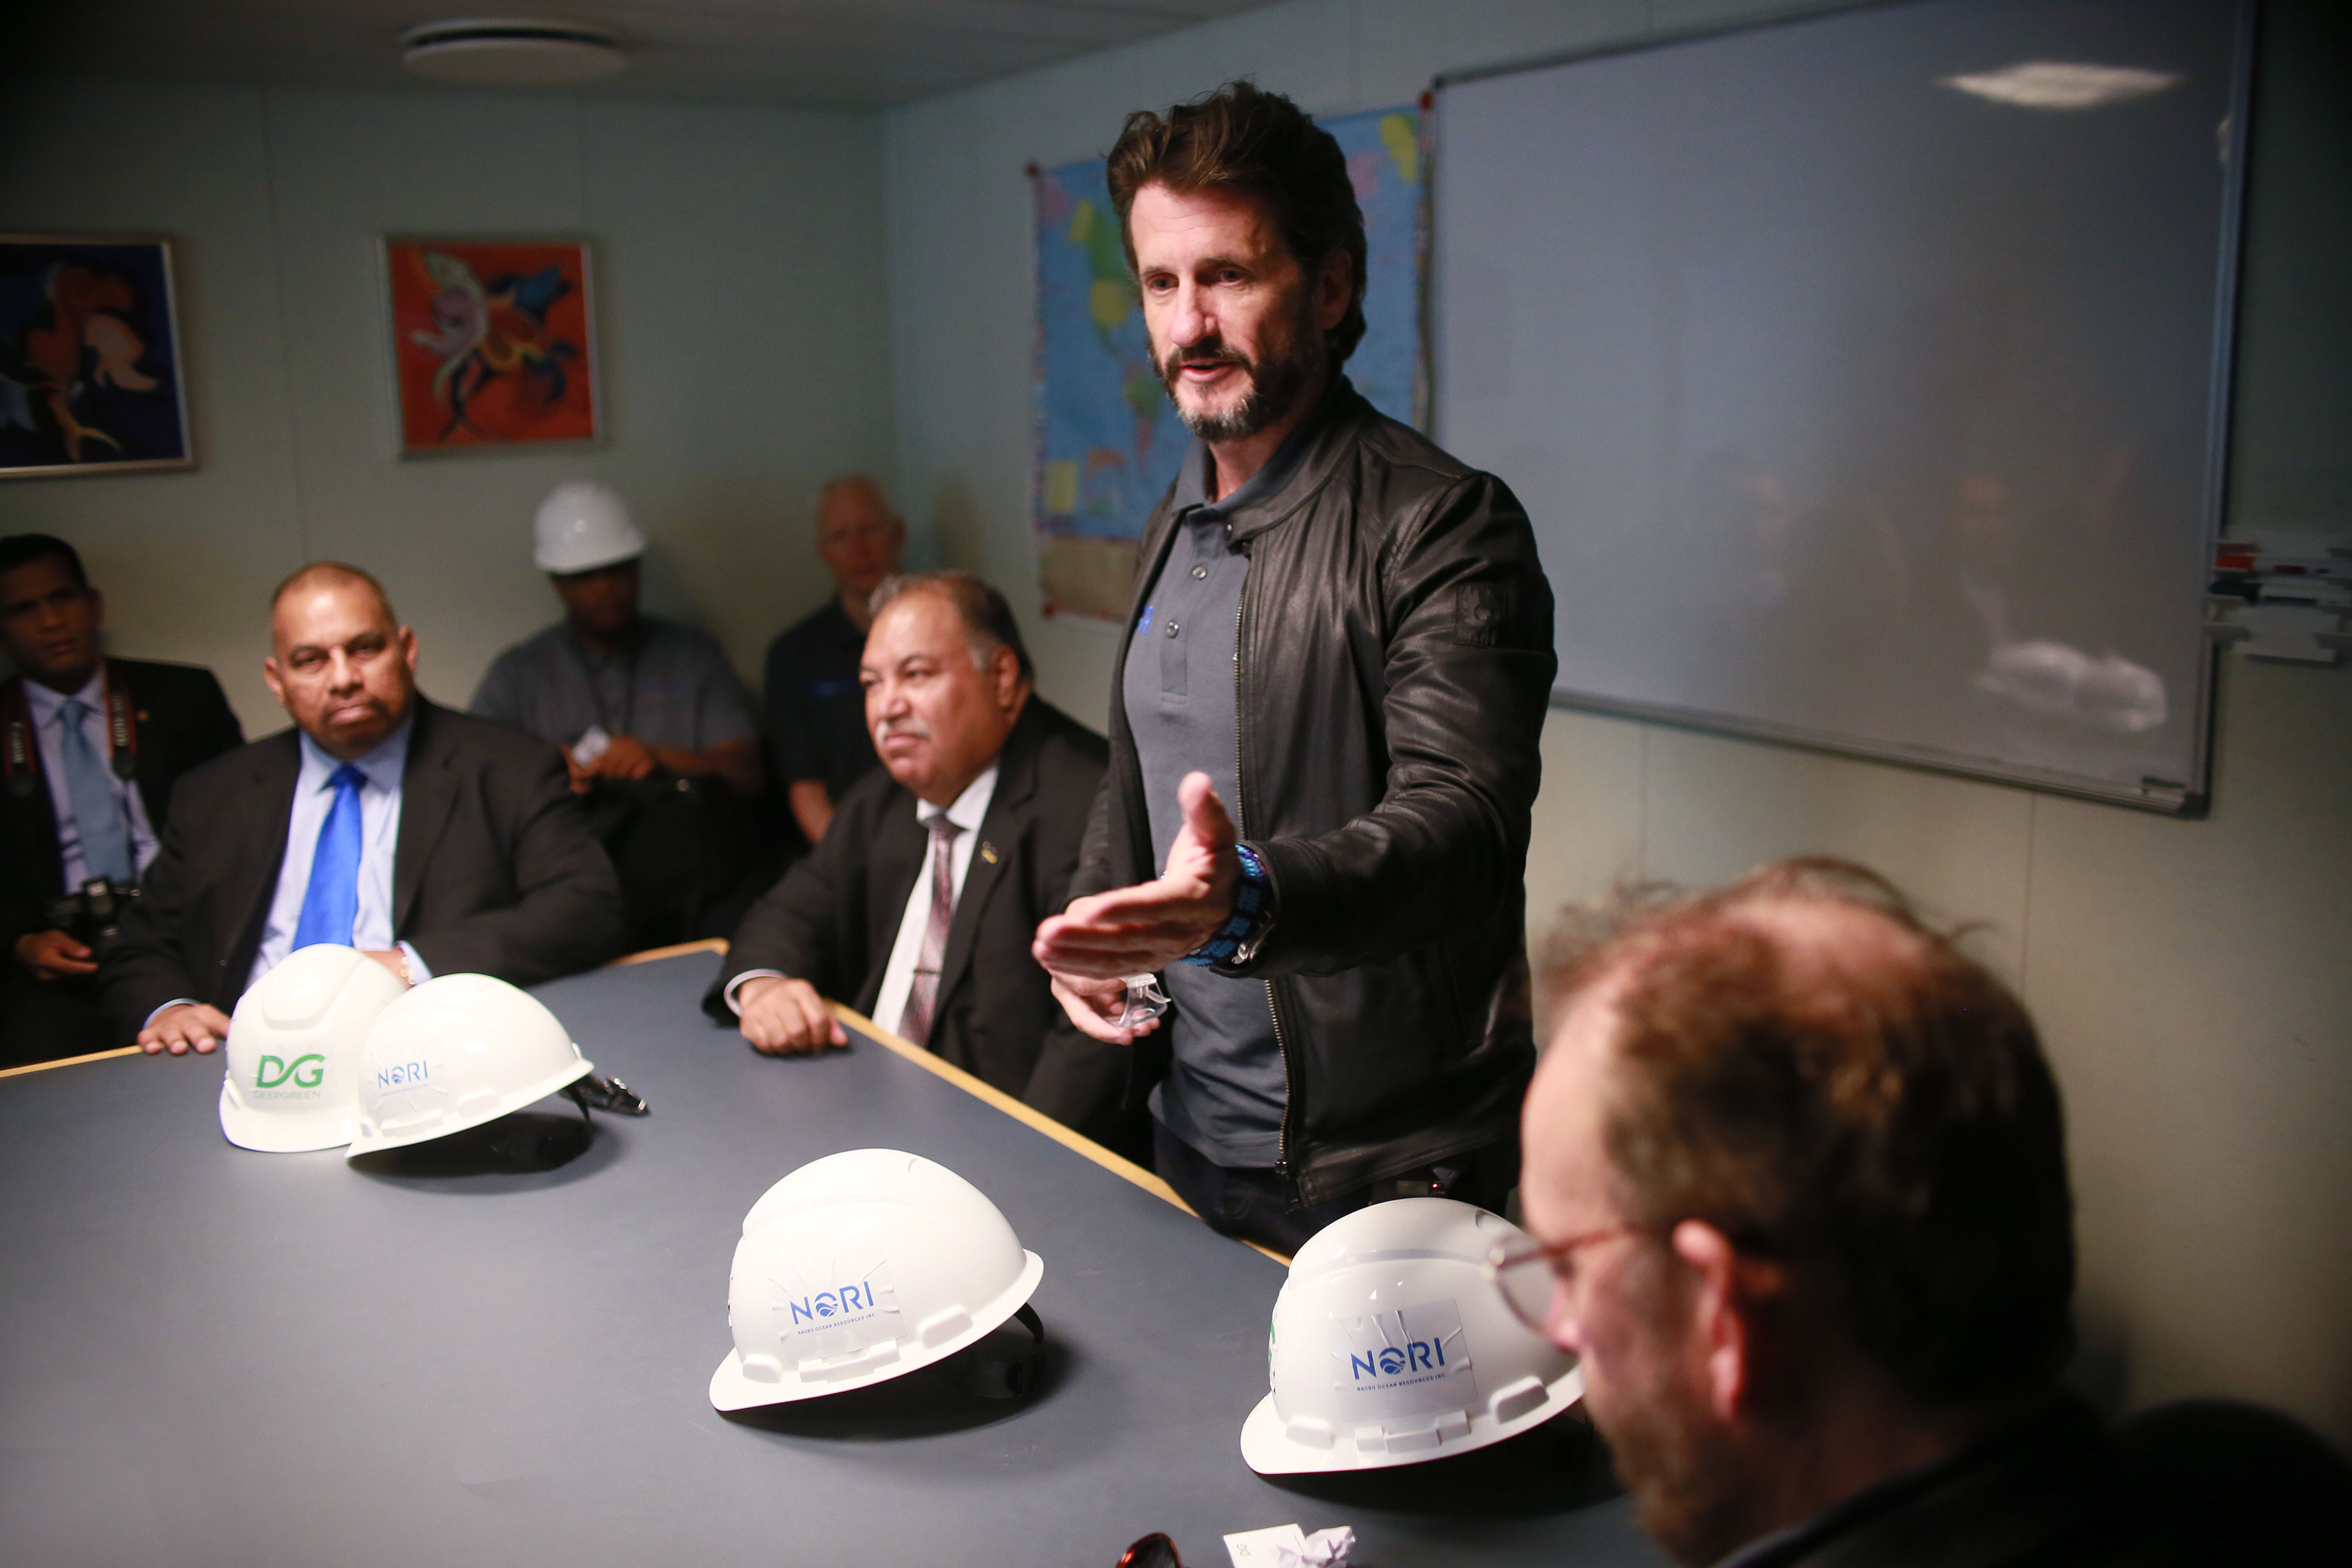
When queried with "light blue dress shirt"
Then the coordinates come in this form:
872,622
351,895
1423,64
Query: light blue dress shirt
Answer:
48,727
380,774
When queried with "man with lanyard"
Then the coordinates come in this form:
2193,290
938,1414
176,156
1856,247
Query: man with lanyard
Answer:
659,732
91,748
1324,732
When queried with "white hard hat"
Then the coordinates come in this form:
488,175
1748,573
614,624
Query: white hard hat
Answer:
1391,1346
862,1266
455,1053
293,1050
584,525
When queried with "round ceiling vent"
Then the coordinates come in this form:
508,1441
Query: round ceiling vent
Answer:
507,51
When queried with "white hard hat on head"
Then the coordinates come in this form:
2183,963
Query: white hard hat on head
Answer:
293,1050
584,525
455,1053
1390,1345
862,1266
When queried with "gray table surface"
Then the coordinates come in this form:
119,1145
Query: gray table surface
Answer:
214,1356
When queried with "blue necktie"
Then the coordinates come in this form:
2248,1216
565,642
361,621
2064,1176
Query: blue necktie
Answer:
331,904
98,816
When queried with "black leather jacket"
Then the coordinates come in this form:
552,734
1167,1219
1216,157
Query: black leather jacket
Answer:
1395,661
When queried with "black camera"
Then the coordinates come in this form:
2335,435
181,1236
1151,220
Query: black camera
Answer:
93,915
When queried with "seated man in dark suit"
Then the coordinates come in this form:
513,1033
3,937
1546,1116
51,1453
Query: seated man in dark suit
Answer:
91,749
436,842
918,905
1795,1179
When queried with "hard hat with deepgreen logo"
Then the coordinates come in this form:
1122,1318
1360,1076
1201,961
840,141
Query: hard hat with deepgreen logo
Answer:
1390,1345
293,1050
455,1053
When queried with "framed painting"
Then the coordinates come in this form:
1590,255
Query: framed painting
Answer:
89,357
493,342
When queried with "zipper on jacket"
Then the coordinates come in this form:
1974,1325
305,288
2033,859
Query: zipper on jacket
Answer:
1241,831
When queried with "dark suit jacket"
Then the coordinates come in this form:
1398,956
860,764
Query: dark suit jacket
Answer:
495,872
2184,1485
183,722
833,919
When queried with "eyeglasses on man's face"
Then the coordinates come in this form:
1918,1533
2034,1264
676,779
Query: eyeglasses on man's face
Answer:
1533,1277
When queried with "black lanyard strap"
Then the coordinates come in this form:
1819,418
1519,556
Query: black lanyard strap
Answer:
20,754
596,692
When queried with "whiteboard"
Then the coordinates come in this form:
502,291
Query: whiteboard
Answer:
1866,375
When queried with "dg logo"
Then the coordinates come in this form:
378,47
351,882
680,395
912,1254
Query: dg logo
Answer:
303,1072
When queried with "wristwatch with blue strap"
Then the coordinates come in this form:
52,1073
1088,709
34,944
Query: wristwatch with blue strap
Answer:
1236,941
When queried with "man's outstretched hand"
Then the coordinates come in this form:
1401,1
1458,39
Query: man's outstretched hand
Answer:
1090,948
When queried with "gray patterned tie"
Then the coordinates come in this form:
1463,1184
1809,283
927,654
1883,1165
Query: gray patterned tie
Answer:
923,994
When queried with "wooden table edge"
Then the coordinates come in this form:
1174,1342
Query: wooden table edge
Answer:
978,1089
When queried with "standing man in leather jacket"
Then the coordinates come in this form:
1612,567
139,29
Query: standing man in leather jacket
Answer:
1324,735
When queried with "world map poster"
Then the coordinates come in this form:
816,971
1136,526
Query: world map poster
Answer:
1108,441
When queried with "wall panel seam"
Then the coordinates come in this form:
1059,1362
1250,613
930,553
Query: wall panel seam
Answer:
264,100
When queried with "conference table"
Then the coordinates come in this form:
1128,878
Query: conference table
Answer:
496,1347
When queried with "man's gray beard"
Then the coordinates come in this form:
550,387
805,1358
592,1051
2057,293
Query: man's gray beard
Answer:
1276,382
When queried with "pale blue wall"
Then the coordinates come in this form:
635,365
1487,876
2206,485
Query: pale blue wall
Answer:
741,315
2192,977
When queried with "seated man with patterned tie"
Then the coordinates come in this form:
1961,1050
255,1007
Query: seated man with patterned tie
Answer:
92,750
436,842
917,906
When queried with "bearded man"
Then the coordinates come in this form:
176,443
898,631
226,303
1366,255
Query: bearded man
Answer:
1796,1185
1324,729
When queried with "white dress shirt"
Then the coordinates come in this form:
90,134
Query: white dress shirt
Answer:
381,773
967,811
49,728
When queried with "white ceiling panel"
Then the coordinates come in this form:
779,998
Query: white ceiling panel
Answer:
817,53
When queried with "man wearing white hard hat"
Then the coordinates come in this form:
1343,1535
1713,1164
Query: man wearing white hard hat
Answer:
432,841
639,704
1796,1190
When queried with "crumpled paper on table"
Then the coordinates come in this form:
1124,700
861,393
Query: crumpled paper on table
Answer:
1287,1546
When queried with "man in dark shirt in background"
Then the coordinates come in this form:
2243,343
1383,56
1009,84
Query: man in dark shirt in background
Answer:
816,711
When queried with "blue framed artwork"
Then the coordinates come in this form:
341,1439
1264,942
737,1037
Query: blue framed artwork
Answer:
89,357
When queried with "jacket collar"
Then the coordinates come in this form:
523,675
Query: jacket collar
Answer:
428,793
273,763
1016,780
1326,442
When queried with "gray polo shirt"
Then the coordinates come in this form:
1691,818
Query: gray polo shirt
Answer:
1225,1088
673,687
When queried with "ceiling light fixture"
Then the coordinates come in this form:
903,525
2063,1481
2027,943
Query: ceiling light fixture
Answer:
508,51
2049,84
